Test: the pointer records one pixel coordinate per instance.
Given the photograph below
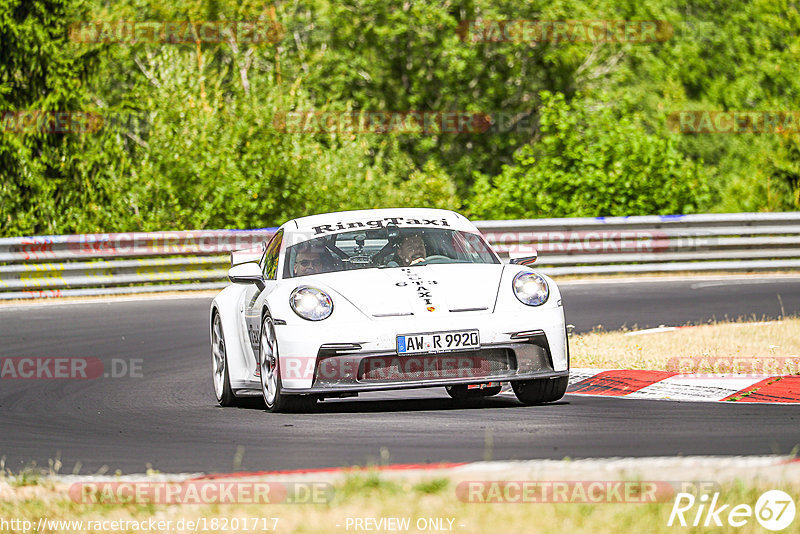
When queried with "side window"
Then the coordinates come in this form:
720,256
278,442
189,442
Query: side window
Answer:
271,256
476,249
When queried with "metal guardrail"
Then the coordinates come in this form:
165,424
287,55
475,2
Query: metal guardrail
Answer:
99,264
107,264
653,243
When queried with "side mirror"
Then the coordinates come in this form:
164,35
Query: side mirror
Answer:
239,257
525,260
247,273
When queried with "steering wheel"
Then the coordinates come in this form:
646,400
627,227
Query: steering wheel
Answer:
435,258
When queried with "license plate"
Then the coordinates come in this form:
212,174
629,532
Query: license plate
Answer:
438,342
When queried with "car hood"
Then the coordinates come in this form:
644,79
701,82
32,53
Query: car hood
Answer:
415,290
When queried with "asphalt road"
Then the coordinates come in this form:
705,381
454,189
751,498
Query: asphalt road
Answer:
167,418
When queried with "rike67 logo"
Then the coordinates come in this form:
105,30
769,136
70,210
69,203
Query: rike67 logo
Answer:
774,510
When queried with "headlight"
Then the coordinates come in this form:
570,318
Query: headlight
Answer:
310,303
531,288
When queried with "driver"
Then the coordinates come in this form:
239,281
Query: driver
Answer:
411,250
311,259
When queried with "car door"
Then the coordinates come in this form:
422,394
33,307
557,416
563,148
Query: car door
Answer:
254,297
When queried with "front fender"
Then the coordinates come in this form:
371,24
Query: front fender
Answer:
227,303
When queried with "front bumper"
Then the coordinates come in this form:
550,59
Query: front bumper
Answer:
341,390
513,347
337,370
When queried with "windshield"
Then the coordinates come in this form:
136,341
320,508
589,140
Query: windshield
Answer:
385,248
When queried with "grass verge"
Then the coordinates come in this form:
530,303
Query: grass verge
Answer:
768,347
428,504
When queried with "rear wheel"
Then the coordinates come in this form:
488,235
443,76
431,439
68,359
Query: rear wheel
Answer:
271,386
219,362
541,390
461,392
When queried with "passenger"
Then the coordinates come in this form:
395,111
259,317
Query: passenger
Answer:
312,259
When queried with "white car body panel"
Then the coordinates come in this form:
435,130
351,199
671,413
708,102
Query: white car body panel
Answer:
373,306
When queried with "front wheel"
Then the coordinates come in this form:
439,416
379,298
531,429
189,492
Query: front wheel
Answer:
271,387
540,390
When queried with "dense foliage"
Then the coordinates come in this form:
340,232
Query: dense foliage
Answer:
589,163
189,138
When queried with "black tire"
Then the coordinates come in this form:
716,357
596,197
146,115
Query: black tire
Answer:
271,386
540,390
461,392
219,366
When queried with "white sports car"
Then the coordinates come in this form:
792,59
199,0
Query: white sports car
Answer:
372,300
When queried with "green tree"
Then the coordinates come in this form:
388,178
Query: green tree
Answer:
591,162
39,171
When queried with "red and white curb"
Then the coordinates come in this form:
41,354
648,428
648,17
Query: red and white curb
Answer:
777,468
666,385
718,468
